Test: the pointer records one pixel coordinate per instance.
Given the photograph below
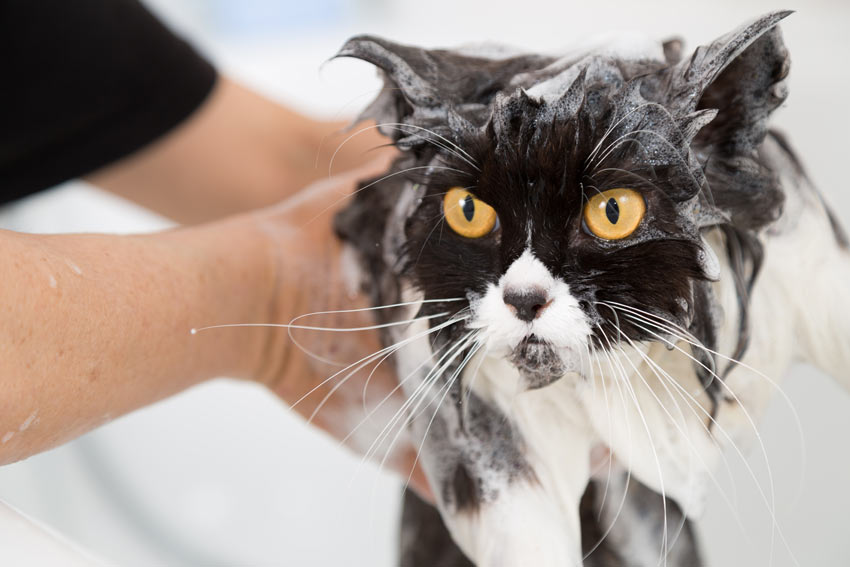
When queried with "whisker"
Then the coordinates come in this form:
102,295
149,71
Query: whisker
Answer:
376,355
432,376
617,123
448,388
195,331
628,467
631,392
392,349
772,504
390,394
460,153
610,460
685,336
320,358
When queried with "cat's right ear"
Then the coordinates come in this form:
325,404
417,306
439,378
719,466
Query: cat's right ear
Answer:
432,88
408,74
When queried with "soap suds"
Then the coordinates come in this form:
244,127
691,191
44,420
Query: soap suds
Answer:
26,424
74,267
8,436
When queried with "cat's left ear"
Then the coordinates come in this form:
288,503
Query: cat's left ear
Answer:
741,75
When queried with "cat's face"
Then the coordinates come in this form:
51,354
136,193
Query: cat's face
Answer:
550,194
544,225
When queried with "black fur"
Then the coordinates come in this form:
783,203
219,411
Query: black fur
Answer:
684,133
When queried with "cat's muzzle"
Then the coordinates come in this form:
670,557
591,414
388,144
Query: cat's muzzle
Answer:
538,362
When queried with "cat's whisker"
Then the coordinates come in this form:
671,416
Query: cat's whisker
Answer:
432,378
369,378
426,382
620,384
461,366
693,405
449,384
640,413
470,387
610,423
627,172
685,336
379,180
195,331
392,392
617,123
625,138
340,113
772,503
446,145
628,467
631,391
366,359
655,368
463,154
320,358
390,350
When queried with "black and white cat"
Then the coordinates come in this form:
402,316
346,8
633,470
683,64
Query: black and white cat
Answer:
602,254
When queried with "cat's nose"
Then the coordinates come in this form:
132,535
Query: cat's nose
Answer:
527,305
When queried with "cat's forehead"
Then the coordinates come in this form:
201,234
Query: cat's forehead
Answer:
606,60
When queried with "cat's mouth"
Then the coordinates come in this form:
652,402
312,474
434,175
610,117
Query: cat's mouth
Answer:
537,361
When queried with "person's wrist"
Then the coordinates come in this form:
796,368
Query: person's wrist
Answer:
230,267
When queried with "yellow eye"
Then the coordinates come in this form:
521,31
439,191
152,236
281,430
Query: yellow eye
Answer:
466,215
614,214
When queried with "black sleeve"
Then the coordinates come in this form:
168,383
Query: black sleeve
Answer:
85,82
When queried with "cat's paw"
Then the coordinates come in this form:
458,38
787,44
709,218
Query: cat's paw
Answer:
521,527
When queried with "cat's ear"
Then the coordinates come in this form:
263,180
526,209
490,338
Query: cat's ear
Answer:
741,76
432,87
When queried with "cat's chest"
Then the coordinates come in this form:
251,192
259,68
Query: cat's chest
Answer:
650,425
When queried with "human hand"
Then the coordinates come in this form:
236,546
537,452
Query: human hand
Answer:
351,403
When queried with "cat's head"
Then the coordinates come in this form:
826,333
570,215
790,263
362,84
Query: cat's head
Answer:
565,199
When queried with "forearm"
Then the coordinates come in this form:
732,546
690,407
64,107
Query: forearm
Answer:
239,151
95,326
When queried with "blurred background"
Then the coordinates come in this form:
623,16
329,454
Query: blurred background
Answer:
224,475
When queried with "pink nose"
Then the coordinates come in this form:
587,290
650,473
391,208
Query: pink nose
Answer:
527,305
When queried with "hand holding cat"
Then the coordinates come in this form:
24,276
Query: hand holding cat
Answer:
324,374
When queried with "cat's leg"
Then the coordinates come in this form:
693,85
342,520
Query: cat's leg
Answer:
624,524
425,541
500,508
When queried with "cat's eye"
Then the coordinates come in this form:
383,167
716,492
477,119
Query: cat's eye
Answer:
468,216
614,214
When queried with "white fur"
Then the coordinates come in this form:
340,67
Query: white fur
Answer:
532,523
562,323
524,526
657,429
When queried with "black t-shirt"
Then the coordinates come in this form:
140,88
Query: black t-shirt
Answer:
85,82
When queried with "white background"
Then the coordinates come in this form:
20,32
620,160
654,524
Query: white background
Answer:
224,475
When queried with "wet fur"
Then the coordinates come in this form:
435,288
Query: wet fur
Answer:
534,136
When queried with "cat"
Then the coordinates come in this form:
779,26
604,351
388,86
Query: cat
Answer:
600,256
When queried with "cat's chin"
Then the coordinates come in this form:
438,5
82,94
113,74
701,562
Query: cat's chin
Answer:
540,363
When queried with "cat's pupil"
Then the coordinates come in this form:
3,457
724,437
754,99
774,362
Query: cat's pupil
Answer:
612,210
468,208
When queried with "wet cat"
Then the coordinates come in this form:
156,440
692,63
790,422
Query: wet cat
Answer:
596,251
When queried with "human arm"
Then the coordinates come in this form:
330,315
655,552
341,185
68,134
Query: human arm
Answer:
115,336
239,151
